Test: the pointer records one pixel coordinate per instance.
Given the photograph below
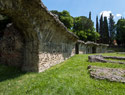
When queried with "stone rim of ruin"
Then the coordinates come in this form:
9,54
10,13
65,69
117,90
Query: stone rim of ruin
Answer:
100,58
111,74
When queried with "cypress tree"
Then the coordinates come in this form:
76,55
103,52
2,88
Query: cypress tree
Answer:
101,28
105,32
97,25
111,28
90,15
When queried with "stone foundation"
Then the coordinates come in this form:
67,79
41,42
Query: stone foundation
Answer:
111,74
100,58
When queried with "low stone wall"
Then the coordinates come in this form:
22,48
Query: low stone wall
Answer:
91,47
111,74
51,54
100,58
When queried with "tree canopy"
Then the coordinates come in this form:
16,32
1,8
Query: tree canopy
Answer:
82,26
120,35
64,17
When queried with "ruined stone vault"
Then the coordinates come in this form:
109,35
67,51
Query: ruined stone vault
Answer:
35,39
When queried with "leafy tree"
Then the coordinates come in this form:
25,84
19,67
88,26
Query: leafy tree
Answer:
111,28
65,18
120,35
83,27
83,23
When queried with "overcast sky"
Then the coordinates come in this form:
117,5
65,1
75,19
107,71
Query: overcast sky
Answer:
82,7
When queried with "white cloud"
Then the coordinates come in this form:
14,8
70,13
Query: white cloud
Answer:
118,15
106,13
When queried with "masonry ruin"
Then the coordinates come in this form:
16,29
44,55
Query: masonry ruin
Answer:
90,47
34,39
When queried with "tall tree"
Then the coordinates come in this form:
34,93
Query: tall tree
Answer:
111,28
105,36
120,35
84,28
101,29
90,15
97,24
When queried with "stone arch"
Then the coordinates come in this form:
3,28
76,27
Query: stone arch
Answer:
11,43
94,49
21,24
41,30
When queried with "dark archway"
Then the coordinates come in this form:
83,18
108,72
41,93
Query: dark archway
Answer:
93,49
11,43
77,48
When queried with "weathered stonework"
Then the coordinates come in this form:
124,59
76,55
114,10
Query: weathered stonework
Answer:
11,46
91,47
111,74
100,58
46,41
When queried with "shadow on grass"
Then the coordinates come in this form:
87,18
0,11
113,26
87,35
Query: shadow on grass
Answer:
8,72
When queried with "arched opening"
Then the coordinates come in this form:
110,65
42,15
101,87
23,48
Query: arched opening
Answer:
11,43
77,48
93,49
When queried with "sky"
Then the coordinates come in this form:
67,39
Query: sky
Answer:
83,7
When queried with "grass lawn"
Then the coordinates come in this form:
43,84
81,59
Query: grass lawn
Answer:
116,60
68,78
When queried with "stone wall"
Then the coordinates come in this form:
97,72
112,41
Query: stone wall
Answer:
46,40
16,51
91,47
54,46
11,46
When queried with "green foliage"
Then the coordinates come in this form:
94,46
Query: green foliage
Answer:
68,78
105,33
64,17
97,25
120,36
90,15
111,28
83,27
103,30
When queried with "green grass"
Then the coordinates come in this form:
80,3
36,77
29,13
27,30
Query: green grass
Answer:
116,60
68,78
